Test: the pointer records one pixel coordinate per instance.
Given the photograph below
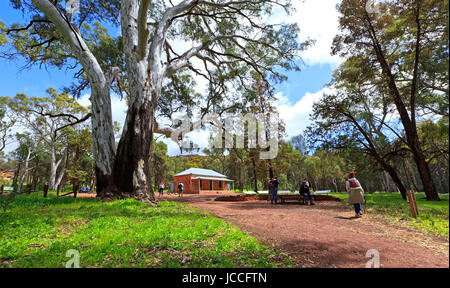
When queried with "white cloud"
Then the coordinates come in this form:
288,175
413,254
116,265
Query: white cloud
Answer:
318,20
282,99
296,116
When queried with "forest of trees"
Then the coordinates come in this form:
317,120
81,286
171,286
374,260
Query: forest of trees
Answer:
386,117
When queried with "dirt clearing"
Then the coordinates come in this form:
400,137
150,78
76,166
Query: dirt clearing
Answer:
326,235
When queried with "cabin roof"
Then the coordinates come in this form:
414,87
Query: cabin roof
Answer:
201,172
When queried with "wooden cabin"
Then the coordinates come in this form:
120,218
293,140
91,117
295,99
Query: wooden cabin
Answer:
203,181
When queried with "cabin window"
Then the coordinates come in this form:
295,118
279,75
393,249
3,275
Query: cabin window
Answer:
210,184
220,184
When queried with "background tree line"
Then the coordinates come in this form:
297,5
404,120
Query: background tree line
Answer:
386,117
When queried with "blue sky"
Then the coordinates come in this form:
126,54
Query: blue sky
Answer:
310,79
317,20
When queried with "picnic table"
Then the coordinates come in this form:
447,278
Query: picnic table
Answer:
284,198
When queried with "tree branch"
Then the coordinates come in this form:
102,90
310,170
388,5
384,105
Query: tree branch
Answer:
28,26
143,31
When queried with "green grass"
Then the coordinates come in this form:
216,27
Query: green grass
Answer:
433,216
37,232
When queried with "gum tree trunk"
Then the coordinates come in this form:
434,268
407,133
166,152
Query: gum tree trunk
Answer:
132,175
395,178
36,173
62,171
53,167
425,176
22,179
255,179
103,141
132,164
100,84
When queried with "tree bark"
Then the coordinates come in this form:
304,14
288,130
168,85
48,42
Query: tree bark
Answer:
53,167
92,180
395,178
255,178
45,190
270,169
36,173
425,176
132,164
62,171
19,190
16,175
104,147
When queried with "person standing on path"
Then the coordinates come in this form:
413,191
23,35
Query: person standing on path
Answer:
356,193
305,191
275,184
180,189
270,188
161,189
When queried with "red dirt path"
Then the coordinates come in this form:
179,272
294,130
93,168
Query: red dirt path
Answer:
326,235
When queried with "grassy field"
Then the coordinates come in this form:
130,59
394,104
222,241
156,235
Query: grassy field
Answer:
433,216
37,232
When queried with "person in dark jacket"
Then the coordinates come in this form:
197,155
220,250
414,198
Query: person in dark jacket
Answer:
305,191
275,183
270,187
180,189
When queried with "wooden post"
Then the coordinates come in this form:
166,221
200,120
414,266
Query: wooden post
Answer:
412,203
75,190
45,190
413,196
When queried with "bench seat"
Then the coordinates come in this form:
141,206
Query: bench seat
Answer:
284,198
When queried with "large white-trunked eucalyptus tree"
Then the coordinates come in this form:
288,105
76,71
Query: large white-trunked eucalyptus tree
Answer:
226,36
